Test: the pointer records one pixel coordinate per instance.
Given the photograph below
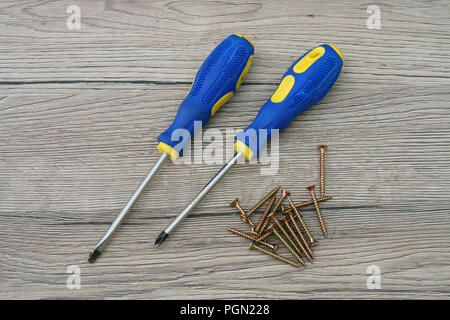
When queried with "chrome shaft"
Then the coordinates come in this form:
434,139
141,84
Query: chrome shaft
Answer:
107,236
201,195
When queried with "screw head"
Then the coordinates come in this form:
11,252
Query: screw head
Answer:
314,242
275,248
253,233
322,147
286,193
234,202
311,188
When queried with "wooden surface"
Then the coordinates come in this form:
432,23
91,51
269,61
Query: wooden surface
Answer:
80,111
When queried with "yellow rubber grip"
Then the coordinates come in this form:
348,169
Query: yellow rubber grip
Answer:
239,146
309,59
165,148
283,89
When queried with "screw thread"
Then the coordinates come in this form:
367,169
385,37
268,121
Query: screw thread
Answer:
264,226
242,212
319,214
306,203
243,215
264,219
302,222
262,201
322,149
308,256
297,228
261,222
246,236
274,255
289,247
265,235
286,235
322,174
249,221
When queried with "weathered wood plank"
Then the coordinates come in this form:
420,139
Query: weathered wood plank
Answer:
70,159
80,112
167,41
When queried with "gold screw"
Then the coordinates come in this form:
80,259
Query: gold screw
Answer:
266,212
322,149
266,221
277,222
297,228
286,223
244,218
253,234
304,204
262,201
273,255
288,246
319,214
266,235
246,236
312,241
264,225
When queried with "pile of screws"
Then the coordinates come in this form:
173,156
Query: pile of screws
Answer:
291,229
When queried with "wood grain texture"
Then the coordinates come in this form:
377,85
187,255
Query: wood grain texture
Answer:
80,111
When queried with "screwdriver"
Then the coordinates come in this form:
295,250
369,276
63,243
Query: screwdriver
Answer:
216,81
304,84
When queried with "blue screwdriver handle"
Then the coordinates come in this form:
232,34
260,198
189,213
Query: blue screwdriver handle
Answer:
304,84
216,81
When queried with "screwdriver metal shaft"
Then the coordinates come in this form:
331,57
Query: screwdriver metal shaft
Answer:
163,235
104,240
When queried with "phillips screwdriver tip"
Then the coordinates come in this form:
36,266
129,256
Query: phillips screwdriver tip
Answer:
93,255
162,236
